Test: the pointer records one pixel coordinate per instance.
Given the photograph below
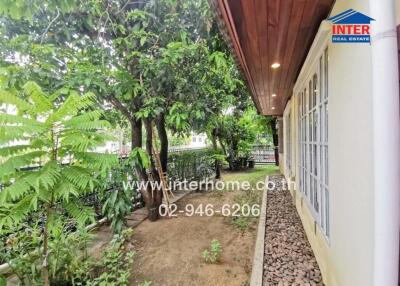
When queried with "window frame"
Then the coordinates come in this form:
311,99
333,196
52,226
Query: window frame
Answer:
313,158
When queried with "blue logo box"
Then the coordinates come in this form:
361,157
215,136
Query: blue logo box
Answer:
351,38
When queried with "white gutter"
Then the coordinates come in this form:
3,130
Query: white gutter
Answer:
386,143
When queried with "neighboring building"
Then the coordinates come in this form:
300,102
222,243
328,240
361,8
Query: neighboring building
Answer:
193,141
198,140
118,146
111,147
338,110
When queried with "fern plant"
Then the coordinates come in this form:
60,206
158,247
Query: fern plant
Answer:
58,133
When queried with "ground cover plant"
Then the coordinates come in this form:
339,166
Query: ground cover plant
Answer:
213,254
252,196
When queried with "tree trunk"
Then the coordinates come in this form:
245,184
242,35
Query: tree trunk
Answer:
214,133
151,193
162,134
155,193
232,158
136,132
45,264
222,146
136,141
275,140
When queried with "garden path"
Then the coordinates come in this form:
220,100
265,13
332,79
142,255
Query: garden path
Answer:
288,257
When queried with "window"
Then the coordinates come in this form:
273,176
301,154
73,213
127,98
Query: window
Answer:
288,145
313,142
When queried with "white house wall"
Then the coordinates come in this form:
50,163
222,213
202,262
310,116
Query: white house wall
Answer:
346,256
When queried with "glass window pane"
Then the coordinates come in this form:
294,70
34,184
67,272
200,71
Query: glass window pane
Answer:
315,159
323,202
310,94
305,183
326,166
326,122
326,72
314,90
321,124
316,196
310,167
321,162
321,80
327,231
315,125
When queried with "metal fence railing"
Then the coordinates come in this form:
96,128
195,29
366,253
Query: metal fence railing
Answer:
183,164
263,154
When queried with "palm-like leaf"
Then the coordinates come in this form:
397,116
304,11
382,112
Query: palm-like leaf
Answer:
22,106
97,161
80,177
60,136
39,98
13,150
82,140
14,163
82,214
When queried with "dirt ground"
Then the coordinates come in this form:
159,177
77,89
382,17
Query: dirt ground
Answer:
169,250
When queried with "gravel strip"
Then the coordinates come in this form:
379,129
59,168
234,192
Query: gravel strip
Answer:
288,257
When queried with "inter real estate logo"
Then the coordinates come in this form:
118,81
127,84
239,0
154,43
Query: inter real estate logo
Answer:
351,26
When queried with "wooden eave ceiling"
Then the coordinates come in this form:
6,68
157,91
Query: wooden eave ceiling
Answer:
262,32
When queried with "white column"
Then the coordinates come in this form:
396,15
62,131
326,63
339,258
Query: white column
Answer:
386,127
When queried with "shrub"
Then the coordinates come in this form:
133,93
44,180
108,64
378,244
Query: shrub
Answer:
193,165
242,223
250,198
114,267
59,135
213,255
68,253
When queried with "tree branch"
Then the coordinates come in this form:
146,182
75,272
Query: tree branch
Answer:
48,27
118,105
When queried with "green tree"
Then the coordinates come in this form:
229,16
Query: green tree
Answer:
158,62
237,131
59,137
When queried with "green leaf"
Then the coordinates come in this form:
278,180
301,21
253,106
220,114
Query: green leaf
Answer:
3,281
13,150
9,98
79,212
64,190
39,98
71,106
17,120
97,161
140,157
14,163
80,177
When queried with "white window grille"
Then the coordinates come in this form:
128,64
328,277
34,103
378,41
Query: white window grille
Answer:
288,144
313,142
